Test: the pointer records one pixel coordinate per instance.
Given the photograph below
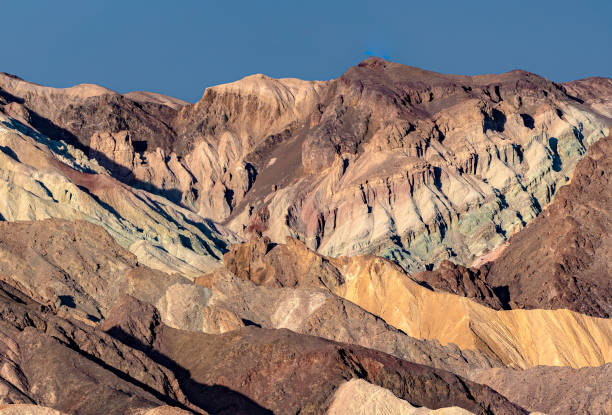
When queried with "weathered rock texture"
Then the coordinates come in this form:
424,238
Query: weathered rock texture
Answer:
77,268
387,159
554,390
73,367
121,194
132,361
563,259
320,313
519,338
560,260
42,178
359,397
290,373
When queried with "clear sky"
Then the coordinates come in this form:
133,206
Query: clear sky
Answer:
180,47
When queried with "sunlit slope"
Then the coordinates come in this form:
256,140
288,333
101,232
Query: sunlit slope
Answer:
520,338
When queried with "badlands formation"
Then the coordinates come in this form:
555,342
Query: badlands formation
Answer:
393,241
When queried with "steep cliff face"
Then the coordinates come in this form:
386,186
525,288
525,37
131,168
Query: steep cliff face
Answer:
41,178
560,260
387,159
443,167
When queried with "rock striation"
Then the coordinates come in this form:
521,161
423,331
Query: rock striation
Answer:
388,159
41,178
560,260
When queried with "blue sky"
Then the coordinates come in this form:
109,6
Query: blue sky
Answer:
181,47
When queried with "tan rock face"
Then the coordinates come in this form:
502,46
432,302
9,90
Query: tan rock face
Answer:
41,178
519,338
359,397
78,269
27,409
387,159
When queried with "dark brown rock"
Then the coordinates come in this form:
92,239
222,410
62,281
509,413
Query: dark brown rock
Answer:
290,373
460,280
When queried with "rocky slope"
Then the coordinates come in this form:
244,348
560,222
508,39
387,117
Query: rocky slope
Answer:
387,159
360,398
554,390
318,312
254,362
494,188
77,269
563,257
132,361
519,338
560,260
42,178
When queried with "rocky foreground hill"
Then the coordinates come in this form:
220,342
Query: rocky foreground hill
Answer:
392,241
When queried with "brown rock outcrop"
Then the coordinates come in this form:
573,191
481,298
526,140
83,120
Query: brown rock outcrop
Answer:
460,280
554,390
289,373
73,367
281,265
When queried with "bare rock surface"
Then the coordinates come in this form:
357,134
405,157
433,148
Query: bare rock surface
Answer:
72,367
135,363
320,313
518,338
41,178
27,409
554,390
493,188
359,397
288,373
77,268
387,159
560,260
563,258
